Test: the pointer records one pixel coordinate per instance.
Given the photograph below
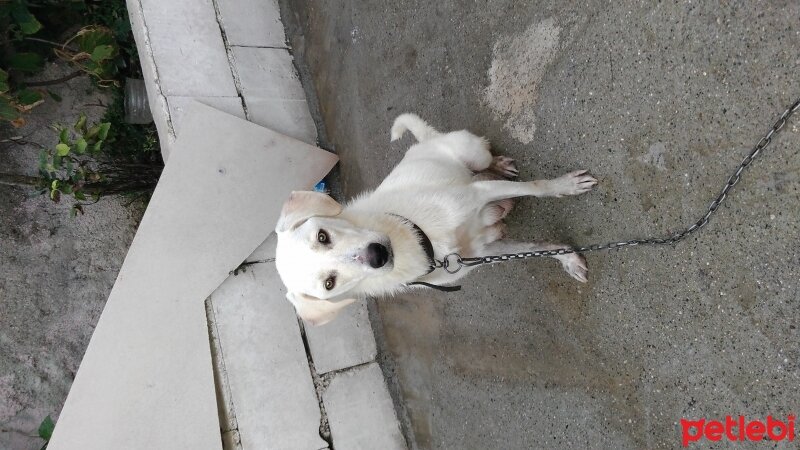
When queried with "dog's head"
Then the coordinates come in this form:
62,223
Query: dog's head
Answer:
321,257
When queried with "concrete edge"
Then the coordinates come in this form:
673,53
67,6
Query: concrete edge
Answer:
156,99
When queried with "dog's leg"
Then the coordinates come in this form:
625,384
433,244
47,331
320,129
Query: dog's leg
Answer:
502,167
469,149
573,183
496,211
494,233
573,263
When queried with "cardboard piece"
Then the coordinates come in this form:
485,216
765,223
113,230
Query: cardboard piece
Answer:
146,379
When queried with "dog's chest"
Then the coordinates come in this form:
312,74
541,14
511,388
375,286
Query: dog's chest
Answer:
462,235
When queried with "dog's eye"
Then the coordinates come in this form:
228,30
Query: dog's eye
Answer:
323,237
330,283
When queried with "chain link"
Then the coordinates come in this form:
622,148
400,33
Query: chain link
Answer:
454,262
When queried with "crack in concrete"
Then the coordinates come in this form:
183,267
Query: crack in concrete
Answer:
320,384
231,61
152,62
261,46
225,406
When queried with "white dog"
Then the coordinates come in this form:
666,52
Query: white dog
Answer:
447,195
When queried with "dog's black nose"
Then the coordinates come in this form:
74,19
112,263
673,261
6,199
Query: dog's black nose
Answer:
377,255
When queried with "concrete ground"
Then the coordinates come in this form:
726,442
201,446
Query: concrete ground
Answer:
660,101
55,271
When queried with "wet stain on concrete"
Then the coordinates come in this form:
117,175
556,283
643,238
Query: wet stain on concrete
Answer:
518,64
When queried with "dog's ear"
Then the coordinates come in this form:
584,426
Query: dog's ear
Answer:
314,310
304,204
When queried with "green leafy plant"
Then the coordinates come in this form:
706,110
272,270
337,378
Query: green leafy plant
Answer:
81,167
17,20
78,167
93,51
111,158
46,430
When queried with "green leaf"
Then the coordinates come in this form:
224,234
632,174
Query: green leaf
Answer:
62,149
54,185
102,52
80,125
28,97
80,146
97,146
57,160
55,196
63,136
26,62
92,132
80,195
46,428
26,21
7,110
89,39
103,133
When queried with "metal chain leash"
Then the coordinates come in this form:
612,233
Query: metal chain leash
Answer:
454,262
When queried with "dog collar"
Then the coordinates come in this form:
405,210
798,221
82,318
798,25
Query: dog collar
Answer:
427,245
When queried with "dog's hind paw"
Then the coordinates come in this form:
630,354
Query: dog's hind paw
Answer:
505,166
576,266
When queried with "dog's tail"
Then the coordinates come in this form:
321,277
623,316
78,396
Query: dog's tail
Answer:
411,122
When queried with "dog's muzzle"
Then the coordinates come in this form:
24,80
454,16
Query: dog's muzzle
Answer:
377,255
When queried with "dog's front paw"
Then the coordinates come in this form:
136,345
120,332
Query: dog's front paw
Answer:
576,266
504,166
574,183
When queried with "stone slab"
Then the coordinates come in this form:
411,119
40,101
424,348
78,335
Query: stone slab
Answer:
253,23
146,378
290,117
186,43
179,105
360,411
267,368
266,250
345,342
267,73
